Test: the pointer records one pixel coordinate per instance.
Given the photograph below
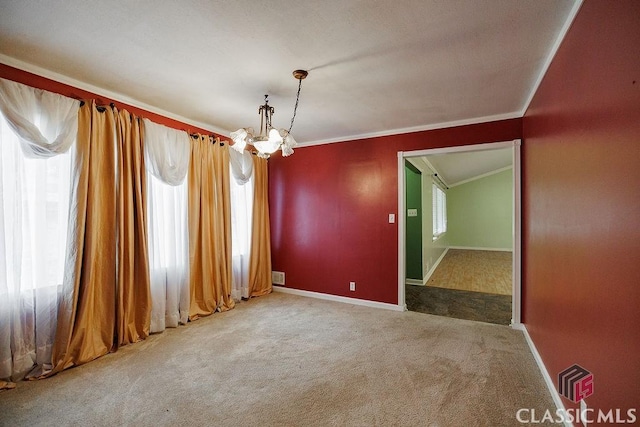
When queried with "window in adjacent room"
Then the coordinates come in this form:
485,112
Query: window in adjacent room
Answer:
439,212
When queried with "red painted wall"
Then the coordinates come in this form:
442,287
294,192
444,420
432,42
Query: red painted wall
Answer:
581,207
33,80
330,204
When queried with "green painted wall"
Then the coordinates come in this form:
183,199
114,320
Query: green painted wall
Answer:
479,213
413,200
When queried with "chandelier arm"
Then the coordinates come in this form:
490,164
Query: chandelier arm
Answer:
295,108
260,111
269,117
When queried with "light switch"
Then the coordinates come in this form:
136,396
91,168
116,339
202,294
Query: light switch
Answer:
412,212
392,218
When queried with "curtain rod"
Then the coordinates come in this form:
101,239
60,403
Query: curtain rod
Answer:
435,175
211,138
102,109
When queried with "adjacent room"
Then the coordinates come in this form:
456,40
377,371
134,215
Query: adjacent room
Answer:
412,213
459,234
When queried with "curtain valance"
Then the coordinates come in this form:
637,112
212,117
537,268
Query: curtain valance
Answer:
241,166
47,123
166,152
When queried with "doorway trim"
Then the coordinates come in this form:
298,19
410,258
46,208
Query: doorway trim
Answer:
516,302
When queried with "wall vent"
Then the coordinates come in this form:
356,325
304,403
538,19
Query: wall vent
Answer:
277,277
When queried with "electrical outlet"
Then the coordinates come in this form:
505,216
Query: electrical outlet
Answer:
352,286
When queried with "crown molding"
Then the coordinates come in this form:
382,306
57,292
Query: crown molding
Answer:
61,78
552,53
400,131
483,175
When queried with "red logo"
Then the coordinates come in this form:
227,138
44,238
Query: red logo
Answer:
575,383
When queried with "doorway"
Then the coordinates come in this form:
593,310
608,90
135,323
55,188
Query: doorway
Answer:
448,249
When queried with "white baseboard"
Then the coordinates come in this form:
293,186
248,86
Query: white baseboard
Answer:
434,266
417,282
543,369
337,298
469,248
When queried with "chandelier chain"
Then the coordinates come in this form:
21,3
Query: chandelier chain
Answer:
295,108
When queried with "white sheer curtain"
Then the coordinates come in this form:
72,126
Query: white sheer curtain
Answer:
37,128
167,152
241,185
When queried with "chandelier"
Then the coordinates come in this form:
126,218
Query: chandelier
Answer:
270,139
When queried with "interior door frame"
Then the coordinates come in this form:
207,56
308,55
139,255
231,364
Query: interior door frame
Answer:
516,302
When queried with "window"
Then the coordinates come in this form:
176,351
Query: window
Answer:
241,223
34,218
439,212
35,213
168,238
167,153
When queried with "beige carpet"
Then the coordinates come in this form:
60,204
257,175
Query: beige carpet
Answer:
293,361
477,271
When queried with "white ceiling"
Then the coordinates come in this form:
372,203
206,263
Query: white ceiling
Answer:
457,168
375,67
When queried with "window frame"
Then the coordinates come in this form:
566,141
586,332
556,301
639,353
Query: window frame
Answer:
438,211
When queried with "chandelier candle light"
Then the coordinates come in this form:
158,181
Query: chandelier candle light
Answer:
270,139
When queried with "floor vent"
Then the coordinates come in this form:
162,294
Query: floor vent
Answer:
277,277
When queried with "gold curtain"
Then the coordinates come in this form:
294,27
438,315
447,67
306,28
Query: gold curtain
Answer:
260,258
133,310
109,304
209,228
86,320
